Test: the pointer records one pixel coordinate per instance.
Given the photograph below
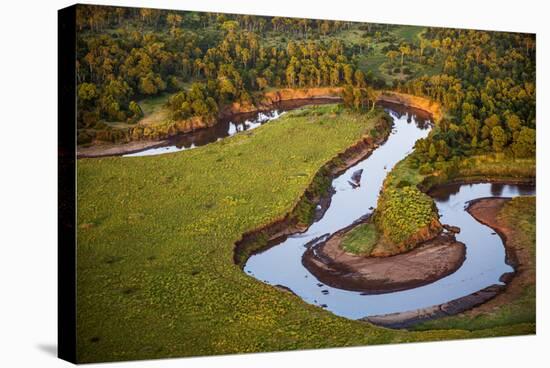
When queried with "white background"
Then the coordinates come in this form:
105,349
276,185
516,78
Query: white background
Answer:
28,180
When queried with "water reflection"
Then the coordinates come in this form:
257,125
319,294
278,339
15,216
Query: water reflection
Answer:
229,127
421,118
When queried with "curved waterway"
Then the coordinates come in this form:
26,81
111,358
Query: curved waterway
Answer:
485,253
228,127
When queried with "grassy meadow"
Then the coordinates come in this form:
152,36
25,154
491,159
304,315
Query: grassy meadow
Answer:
361,239
156,237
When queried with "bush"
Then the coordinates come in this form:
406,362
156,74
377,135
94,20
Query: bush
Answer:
406,215
83,138
425,168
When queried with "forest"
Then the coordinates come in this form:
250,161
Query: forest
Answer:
204,61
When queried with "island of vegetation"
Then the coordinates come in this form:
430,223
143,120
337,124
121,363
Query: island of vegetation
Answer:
158,271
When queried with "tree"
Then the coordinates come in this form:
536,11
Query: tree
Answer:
174,20
424,43
492,121
436,44
348,74
226,88
325,27
290,75
245,56
359,97
405,50
348,96
513,122
87,92
392,55
262,83
473,125
136,111
359,77
432,152
499,138
230,26
525,144
151,84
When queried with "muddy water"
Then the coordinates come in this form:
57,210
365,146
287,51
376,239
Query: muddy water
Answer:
228,127
485,254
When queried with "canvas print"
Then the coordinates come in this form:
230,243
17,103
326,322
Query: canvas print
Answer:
242,183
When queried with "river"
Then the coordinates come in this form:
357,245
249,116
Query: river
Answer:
227,127
485,253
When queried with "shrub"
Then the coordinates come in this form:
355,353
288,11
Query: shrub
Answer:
406,216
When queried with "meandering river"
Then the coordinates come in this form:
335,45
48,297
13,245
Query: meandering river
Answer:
485,253
282,264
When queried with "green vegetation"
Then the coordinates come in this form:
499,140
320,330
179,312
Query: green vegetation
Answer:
206,60
406,212
519,214
487,88
156,234
361,240
497,166
156,237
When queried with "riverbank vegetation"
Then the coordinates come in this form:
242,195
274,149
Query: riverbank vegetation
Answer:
487,129
156,241
405,216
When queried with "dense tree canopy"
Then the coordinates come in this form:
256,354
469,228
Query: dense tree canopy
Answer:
488,90
484,80
146,52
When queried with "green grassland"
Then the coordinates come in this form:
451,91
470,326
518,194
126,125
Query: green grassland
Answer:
155,247
156,236
479,167
360,240
519,213
411,34
497,166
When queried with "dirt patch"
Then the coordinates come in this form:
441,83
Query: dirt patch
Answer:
425,264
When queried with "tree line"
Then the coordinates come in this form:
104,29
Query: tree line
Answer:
487,87
484,80
207,59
